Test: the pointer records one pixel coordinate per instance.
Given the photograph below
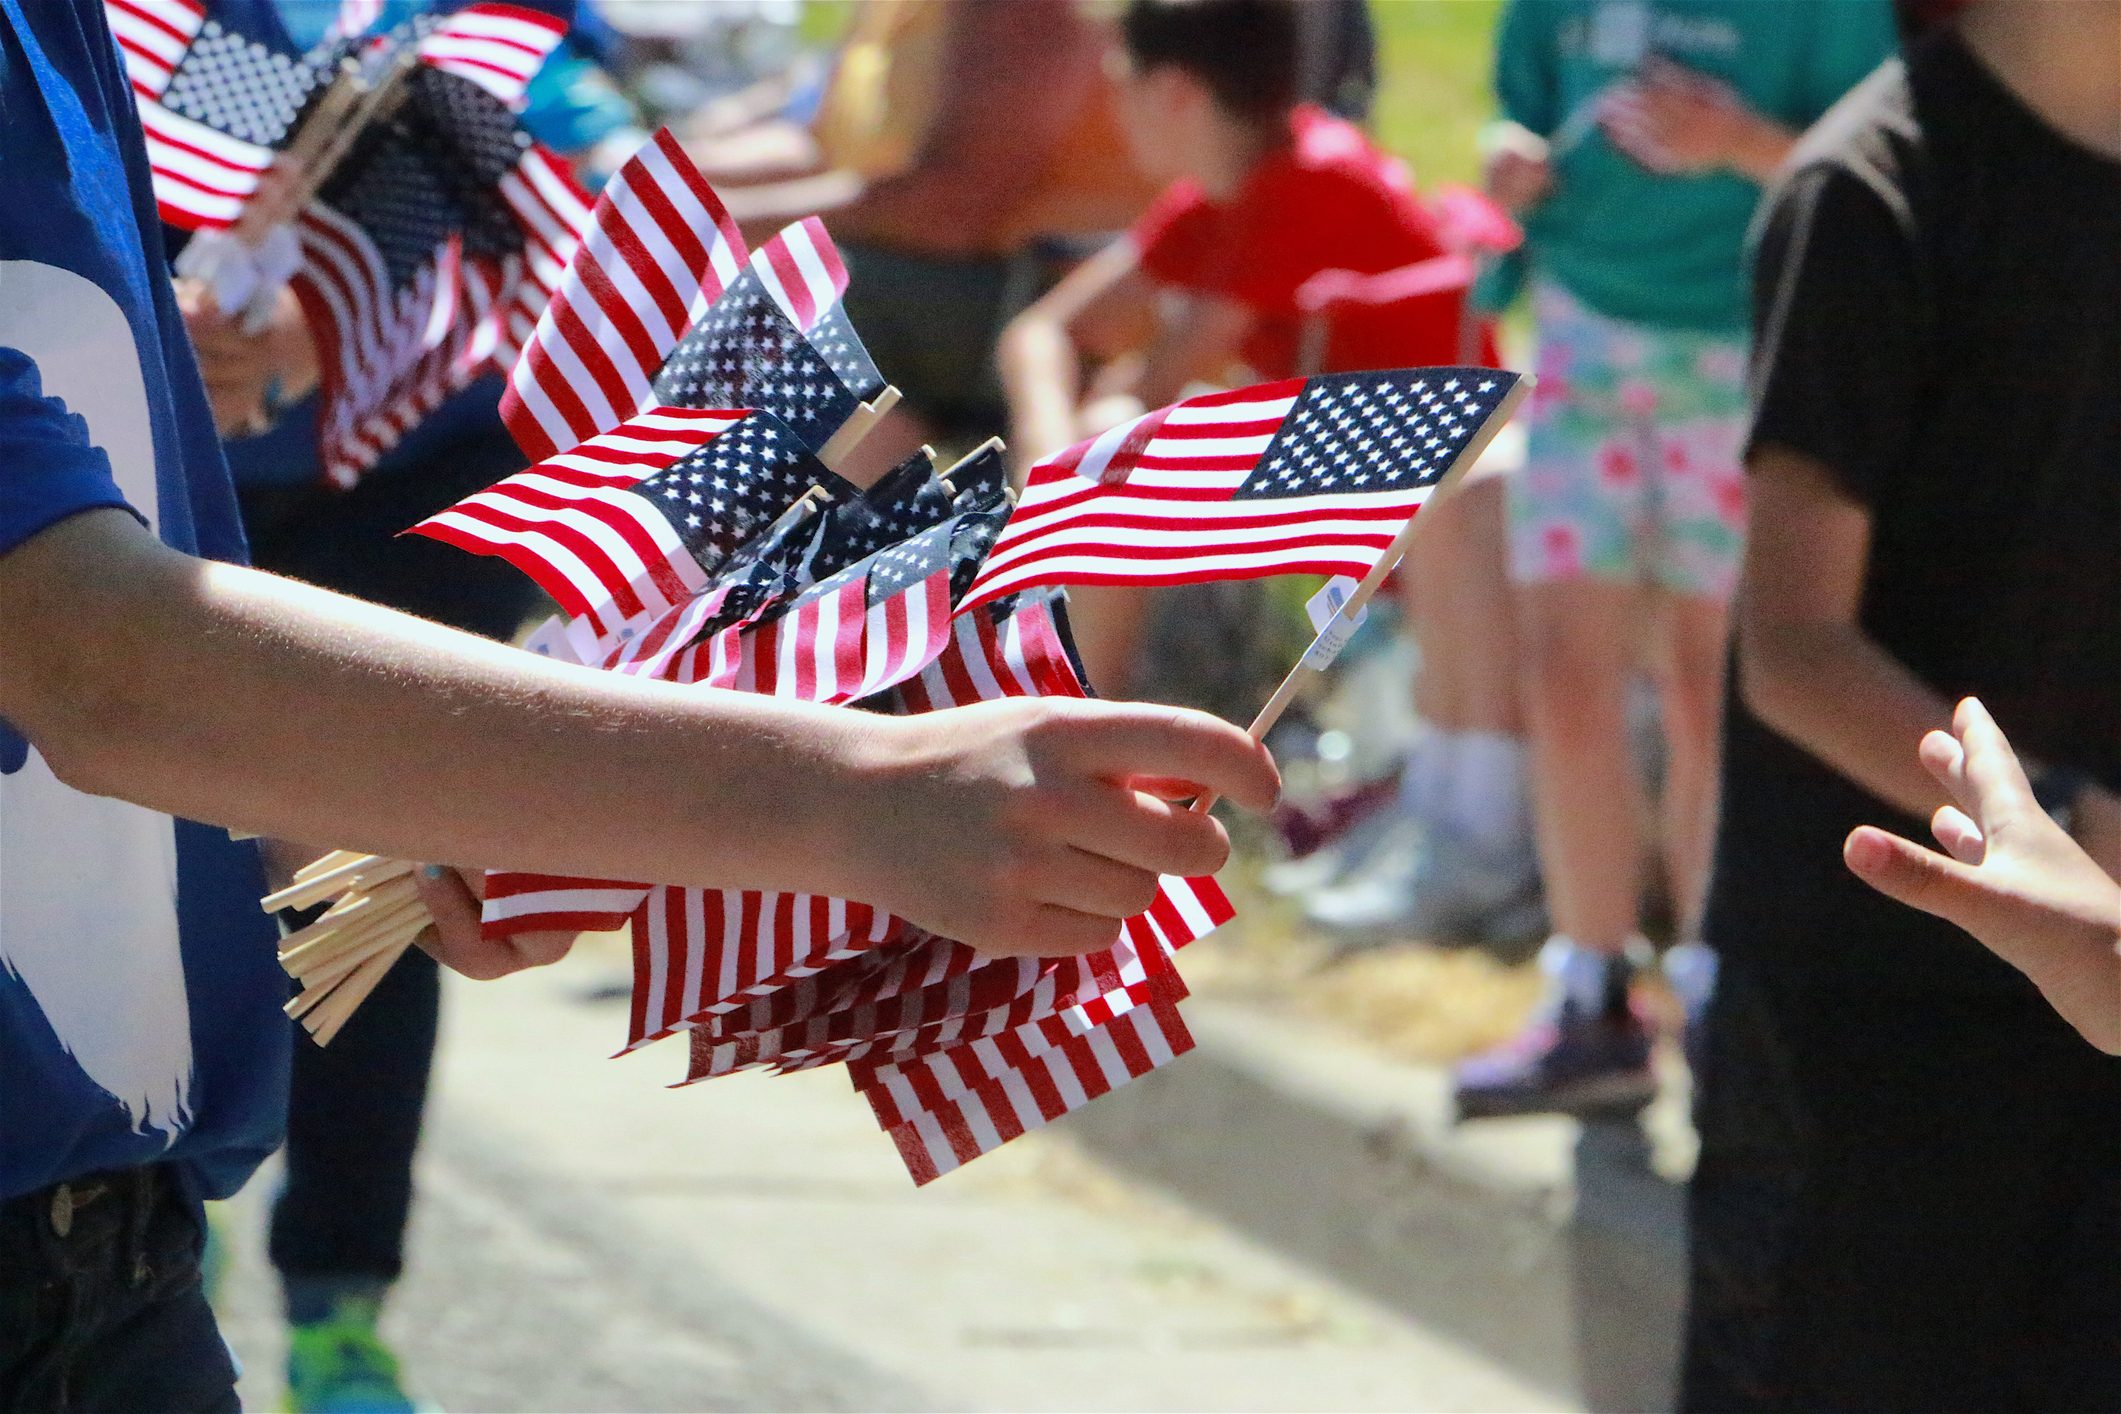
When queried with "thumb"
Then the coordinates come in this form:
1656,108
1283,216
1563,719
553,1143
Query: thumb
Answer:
1918,877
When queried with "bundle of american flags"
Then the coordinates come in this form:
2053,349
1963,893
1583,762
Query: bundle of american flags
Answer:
383,175
685,398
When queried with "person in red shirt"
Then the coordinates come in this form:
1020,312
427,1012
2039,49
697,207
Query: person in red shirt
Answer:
1269,202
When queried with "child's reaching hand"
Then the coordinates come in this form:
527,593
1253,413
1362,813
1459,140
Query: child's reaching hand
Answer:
2015,879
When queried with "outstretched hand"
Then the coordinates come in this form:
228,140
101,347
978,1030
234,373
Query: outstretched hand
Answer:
1032,827
2010,875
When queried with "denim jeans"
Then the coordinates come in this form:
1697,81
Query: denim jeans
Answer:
100,1302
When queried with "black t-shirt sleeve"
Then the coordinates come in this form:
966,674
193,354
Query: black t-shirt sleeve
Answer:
1839,323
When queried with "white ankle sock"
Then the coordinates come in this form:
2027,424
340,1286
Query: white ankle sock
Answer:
1488,800
1425,790
1576,973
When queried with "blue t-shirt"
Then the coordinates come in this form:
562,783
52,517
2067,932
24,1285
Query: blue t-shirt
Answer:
139,997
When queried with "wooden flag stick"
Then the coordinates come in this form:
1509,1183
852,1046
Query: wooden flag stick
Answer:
372,105
323,953
799,510
858,425
316,985
323,979
325,1022
992,444
304,942
333,860
317,994
322,886
1446,485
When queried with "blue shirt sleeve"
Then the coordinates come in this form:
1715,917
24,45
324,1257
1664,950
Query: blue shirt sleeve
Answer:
49,469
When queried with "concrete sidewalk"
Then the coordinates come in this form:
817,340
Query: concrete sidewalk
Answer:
1554,1250
589,1240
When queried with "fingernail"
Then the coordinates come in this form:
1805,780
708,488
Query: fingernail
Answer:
430,871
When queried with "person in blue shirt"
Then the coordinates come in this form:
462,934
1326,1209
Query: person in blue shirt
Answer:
355,1109
146,676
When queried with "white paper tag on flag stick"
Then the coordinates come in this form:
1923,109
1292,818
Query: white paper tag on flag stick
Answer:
1335,626
567,640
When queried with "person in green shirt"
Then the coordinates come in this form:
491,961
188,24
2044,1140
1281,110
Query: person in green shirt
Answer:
1637,135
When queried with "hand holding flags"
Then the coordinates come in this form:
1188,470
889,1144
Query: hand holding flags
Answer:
712,546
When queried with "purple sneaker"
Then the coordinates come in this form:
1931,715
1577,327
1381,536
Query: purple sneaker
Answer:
1574,1062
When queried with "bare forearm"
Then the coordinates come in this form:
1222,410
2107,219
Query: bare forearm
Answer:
1041,375
1837,694
235,697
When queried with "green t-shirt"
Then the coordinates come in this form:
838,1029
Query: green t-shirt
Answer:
1633,244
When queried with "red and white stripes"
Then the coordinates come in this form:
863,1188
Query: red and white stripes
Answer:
498,47
655,251
152,36
201,177
801,268
517,902
831,649
569,523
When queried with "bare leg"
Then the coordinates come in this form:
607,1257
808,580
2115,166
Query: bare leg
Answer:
1460,606
1579,644
1692,636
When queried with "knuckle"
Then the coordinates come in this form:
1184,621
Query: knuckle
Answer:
1013,871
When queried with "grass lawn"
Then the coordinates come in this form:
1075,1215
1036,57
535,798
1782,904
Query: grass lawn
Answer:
1432,91
1433,76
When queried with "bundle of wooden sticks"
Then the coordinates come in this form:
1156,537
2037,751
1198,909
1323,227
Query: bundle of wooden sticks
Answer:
341,956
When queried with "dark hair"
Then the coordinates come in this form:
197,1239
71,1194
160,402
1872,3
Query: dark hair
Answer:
1245,51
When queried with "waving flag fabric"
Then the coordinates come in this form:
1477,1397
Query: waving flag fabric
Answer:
629,525
777,339
950,1104
657,249
418,249
864,629
786,560
1301,476
499,47
214,104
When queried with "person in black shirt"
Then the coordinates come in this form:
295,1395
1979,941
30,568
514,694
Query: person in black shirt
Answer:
1909,1192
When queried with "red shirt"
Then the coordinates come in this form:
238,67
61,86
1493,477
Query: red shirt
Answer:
1329,199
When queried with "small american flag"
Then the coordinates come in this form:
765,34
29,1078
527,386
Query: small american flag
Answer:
699,950
499,47
656,250
214,105
1301,476
777,339
862,630
784,561
630,525
415,252
982,475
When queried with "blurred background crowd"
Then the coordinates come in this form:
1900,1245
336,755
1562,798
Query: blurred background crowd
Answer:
1496,851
